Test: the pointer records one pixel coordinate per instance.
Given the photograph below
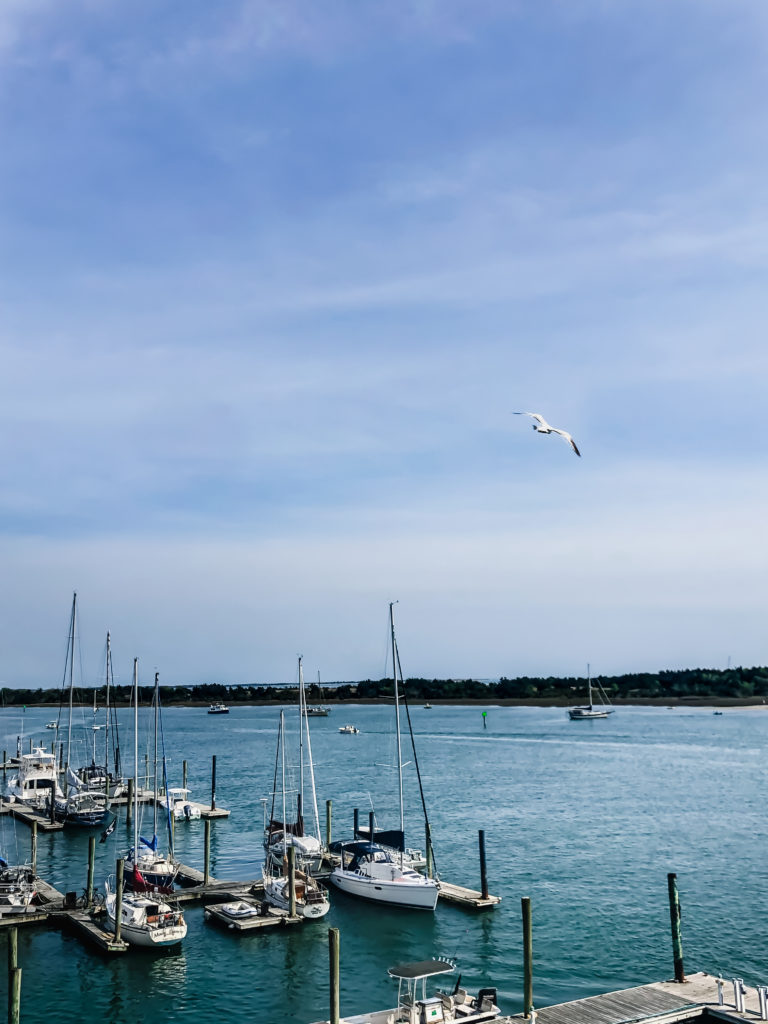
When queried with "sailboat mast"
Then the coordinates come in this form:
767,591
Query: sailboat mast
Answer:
154,777
589,687
397,719
282,770
302,720
73,622
309,752
106,711
135,759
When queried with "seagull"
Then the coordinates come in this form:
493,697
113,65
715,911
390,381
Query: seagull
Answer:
542,427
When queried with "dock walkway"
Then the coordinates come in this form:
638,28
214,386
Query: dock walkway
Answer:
663,1002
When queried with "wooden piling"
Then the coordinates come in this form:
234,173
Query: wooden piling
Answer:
33,856
527,957
674,916
52,808
371,825
91,862
119,878
207,854
333,949
483,876
129,805
13,949
184,774
14,996
355,822
213,783
5,761
291,852
428,844
328,816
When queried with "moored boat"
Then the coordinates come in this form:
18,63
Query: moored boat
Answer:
349,730
589,710
218,708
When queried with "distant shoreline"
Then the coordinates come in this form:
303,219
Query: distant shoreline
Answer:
503,702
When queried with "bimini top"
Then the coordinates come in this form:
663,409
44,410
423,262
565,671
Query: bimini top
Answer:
421,969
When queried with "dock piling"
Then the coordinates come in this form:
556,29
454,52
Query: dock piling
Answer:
184,774
291,852
129,805
119,878
213,783
527,957
52,807
207,855
91,862
483,876
674,916
5,761
33,856
14,996
428,844
355,822
371,826
333,949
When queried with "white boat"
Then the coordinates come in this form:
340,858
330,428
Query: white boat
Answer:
280,832
147,869
17,888
316,711
349,730
37,778
218,708
145,920
590,711
414,1006
239,910
368,870
181,807
311,898
51,725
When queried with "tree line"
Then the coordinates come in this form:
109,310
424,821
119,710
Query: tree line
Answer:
671,684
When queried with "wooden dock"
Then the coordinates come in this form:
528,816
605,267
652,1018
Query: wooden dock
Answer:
269,919
464,897
699,998
88,926
28,815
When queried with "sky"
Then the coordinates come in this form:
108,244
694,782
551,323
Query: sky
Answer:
275,275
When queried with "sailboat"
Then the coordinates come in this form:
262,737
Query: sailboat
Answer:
317,710
311,900
99,775
147,869
282,833
81,803
145,920
590,711
369,870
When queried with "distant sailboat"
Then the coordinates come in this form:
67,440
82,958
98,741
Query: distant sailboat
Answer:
590,711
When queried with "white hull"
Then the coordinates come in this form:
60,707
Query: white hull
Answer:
311,901
578,714
145,922
416,892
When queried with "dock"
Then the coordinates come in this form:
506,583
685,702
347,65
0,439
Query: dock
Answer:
701,997
272,918
28,815
464,897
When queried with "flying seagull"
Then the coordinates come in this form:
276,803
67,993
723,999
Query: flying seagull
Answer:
542,427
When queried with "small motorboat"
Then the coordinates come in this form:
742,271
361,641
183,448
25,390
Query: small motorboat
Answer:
51,725
413,1003
240,909
218,708
348,730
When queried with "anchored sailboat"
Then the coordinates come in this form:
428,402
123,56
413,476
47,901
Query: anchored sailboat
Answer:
590,711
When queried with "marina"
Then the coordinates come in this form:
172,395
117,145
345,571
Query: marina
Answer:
523,853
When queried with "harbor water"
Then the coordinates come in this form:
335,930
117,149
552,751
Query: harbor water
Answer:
586,818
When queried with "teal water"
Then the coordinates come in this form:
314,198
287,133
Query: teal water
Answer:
586,818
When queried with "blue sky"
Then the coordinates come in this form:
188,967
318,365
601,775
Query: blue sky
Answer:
273,278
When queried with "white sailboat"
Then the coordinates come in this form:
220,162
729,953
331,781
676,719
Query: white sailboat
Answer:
590,711
280,834
145,920
311,899
147,869
370,871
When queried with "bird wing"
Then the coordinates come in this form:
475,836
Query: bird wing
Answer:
533,415
567,437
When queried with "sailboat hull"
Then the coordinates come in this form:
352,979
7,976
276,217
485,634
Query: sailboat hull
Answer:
418,894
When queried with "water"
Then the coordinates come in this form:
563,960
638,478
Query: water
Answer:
586,818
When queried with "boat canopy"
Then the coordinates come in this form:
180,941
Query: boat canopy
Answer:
421,969
394,838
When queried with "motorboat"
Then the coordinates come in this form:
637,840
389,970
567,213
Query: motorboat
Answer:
240,910
373,873
218,708
180,805
348,730
414,1006
17,888
316,711
37,778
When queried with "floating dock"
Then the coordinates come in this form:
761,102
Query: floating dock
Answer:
269,919
464,897
701,997
28,815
